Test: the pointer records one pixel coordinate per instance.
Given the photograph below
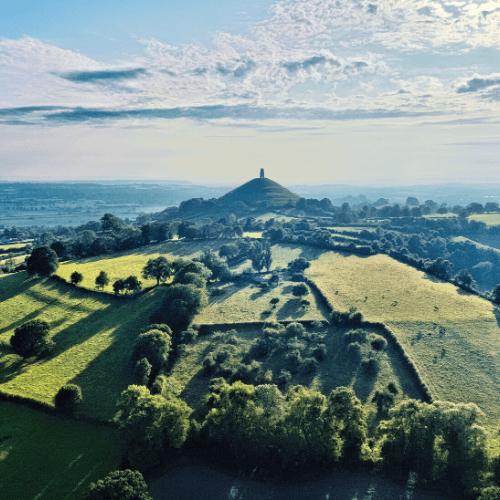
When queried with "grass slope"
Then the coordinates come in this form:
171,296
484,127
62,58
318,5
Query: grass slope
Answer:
94,334
457,348
44,458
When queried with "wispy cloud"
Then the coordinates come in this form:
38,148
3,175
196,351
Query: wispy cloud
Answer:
321,58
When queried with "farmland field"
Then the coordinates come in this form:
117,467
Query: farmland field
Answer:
94,334
45,458
452,336
488,219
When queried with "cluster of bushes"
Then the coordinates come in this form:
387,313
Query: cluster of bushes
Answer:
365,350
300,349
259,252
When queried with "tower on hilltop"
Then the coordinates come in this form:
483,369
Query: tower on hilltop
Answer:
261,173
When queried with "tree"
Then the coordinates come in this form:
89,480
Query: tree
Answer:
180,304
298,265
30,339
151,424
300,290
110,222
465,280
118,286
411,200
42,261
76,277
159,269
102,280
153,345
132,284
119,485
491,207
68,398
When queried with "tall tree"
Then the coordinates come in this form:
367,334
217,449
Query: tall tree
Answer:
42,261
159,269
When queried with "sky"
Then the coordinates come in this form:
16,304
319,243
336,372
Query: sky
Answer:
370,92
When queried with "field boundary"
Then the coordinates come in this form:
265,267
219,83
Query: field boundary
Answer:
391,337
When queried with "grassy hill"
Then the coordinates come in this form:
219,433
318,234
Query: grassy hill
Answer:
94,334
453,336
260,190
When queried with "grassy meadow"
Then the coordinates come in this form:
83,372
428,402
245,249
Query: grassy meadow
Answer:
44,458
94,334
453,336
245,302
488,219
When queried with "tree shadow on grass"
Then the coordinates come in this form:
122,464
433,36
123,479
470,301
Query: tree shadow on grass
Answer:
16,283
292,308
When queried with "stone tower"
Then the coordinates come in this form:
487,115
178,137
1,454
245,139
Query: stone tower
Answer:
261,173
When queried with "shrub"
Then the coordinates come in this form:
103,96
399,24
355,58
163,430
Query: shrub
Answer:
122,485
298,265
319,352
355,336
298,277
378,342
68,398
295,330
305,303
30,339
102,280
391,387
76,277
274,301
308,366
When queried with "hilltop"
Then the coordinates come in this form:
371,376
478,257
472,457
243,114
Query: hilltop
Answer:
259,190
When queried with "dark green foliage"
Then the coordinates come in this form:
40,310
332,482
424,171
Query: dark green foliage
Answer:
42,261
76,277
378,342
298,265
119,485
142,371
102,280
193,279
300,290
132,284
465,280
284,378
110,222
154,345
151,424
68,398
358,335
180,303
159,269
183,267
274,301
298,277
220,270
391,387
118,286
30,339
495,294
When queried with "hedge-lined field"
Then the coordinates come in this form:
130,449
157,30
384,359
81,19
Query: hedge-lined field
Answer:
452,336
94,334
45,458
488,219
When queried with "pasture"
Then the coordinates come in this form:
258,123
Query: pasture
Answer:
452,336
243,302
94,334
45,458
488,219
188,381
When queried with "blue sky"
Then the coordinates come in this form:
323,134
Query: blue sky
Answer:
365,91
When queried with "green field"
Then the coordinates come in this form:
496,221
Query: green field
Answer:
457,348
94,334
488,219
45,458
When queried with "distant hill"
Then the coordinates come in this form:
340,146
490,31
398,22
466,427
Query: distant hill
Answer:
260,190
